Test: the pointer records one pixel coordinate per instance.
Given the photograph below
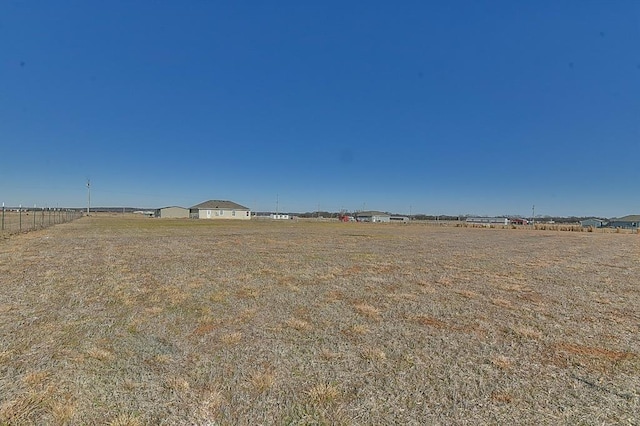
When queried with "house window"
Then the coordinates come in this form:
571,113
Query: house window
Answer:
233,212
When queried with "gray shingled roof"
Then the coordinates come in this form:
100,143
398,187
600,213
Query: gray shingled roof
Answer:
371,213
630,218
219,204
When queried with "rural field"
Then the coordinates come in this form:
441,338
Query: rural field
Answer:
124,320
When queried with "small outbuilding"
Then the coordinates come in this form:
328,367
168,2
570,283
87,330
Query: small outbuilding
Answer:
173,212
373,216
220,209
400,219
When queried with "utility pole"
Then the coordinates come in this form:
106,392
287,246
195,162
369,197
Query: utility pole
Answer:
533,215
88,196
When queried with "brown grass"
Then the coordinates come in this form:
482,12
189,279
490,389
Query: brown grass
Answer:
323,393
367,310
133,321
602,353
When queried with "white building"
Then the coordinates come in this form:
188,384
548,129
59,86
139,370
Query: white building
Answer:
373,216
489,220
279,216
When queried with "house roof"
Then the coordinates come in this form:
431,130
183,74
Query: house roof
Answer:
219,204
371,213
629,218
172,207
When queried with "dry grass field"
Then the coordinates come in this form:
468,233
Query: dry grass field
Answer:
136,321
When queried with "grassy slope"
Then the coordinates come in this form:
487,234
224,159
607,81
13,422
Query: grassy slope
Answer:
143,321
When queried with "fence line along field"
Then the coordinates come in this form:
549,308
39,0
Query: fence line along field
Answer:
23,220
131,321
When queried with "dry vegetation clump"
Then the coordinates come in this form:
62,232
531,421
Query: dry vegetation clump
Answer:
136,321
367,310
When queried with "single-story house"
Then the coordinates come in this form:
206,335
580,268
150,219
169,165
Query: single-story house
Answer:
220,209
489,220
402,219
172,212
373,216
593,223
626,222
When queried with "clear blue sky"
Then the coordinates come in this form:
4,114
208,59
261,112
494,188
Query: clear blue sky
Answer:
460,107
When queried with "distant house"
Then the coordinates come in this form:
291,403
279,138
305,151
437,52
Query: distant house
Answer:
172,212
518,221
149,213
488,220
593,223
220,209
626,222
401,219
373,216
279,216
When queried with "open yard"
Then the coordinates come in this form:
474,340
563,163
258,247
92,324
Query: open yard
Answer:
135,321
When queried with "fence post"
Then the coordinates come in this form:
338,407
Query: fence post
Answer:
3,215
20,216
34,216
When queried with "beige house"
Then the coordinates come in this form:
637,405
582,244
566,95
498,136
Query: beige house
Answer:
172,212
220,209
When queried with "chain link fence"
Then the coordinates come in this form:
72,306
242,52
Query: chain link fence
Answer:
16,220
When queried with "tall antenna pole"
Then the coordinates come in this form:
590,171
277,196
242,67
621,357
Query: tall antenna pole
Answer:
533,214
88,196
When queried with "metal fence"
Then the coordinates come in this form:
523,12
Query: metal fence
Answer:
22,220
